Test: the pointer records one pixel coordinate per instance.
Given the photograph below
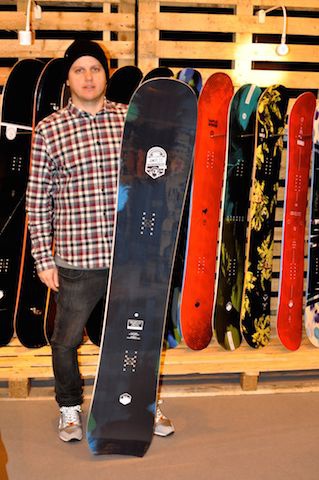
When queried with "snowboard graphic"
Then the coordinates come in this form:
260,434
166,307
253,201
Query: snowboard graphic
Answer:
230,271
255,314
290,296
123,83
199,274
192,77
15,142
33,296
312,291
156,159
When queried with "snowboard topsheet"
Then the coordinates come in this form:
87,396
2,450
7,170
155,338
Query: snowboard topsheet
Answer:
192,77
209,161
291,280
156,159
255,314
238,172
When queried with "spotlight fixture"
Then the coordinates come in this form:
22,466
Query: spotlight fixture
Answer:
281,49
26,36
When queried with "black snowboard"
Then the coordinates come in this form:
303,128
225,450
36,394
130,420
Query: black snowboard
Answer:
231,257
155,165
33,294
158,72
15,143
123,83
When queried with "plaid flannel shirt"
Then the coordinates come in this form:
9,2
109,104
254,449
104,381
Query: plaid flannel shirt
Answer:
72,188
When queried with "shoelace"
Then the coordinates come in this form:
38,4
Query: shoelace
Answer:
159,415
70,414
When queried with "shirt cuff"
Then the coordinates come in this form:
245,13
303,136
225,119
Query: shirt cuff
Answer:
45,264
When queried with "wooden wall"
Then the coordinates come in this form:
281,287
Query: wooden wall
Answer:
210,37
227,37
112,22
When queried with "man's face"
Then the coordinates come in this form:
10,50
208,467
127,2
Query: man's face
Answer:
87,81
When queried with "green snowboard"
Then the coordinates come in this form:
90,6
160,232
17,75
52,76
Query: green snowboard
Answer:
230,272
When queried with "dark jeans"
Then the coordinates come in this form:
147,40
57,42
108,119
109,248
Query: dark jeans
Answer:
79,292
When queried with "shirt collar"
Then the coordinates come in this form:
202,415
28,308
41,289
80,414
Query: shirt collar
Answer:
77,112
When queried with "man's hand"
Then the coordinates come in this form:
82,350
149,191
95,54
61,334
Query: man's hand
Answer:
50,278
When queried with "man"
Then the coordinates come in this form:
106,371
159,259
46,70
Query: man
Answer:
71,200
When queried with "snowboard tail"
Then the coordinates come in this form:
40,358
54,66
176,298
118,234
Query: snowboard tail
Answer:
135,448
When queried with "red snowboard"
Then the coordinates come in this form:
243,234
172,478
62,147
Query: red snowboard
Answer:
290,297
199,273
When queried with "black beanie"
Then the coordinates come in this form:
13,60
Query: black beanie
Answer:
81,48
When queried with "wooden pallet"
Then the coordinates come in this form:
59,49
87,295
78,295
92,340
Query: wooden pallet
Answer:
250,48
133,31
18,365
116,25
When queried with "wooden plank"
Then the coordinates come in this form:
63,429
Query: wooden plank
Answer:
89,3
249,381
70,21
214,360
231,23
4,73
182,360
19,387
56,48
148,35
307,4
264,78
298,4
232,51
126,7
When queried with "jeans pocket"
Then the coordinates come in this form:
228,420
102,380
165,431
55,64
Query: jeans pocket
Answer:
70,273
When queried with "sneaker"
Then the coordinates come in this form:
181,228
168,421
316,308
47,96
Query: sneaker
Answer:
163,426
70,425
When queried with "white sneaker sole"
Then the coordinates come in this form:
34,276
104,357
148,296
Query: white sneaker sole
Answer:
69,437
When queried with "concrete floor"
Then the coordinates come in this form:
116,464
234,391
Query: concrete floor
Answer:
241,437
